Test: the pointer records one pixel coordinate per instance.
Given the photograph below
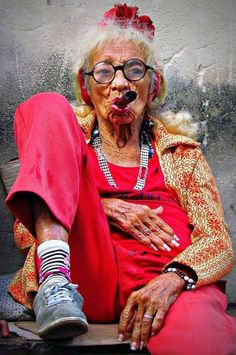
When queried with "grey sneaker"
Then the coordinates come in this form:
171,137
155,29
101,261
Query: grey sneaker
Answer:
58,311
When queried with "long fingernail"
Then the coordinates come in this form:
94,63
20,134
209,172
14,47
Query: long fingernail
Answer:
153,247
133,346
175,243
166,247
120,337
141,345
175,236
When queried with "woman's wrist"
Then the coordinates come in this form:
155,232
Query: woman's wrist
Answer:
189,282
108,205
187,270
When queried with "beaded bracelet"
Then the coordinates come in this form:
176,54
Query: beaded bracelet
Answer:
189,283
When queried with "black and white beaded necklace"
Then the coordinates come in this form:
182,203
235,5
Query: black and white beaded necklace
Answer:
146,152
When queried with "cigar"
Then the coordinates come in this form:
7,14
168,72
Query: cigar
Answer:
126,99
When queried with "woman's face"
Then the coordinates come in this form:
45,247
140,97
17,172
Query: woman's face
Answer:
104,95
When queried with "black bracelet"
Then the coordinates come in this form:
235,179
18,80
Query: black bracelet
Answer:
189,283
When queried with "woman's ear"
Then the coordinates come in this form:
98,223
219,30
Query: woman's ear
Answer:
162,89
154,88
158,89
84,91
156,85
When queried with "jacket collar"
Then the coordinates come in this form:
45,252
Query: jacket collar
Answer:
165,140
86,117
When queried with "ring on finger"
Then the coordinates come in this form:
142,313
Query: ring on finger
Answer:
145,231
161,223
148,316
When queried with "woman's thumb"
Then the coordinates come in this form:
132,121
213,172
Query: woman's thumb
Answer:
158,210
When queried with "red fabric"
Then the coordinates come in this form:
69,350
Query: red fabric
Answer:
131,255
154,194
196,324
57,165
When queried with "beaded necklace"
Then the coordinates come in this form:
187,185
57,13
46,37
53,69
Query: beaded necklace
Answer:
146,152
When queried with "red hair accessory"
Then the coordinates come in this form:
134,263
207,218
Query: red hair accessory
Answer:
127,16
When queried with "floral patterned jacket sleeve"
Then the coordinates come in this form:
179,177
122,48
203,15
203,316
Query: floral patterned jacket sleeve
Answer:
187,173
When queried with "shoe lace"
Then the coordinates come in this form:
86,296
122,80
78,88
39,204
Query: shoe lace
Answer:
59,292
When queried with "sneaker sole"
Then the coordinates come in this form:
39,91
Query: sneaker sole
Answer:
64,328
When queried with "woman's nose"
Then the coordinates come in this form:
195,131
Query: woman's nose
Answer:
119,82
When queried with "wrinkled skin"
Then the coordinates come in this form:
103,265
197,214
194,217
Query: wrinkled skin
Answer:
154,300
4,329
141,222
119,133
117,52
46,225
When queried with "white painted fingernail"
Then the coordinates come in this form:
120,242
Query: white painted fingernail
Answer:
175,236
120,337
175,243
141,345
153,247
159,209
133,346
166,247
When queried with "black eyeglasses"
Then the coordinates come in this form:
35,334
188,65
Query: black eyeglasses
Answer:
133,70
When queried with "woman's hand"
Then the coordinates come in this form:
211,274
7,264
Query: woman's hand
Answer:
146,308
141,222
4,329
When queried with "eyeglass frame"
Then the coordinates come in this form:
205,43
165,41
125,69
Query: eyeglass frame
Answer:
119,67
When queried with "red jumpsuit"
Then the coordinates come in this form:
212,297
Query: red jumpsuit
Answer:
58,166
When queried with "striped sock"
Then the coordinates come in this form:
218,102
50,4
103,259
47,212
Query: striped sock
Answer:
54,264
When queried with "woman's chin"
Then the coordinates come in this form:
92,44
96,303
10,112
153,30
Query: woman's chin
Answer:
120,119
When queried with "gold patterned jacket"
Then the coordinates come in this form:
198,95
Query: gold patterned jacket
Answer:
188,175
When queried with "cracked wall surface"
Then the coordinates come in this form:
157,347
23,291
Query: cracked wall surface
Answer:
196,41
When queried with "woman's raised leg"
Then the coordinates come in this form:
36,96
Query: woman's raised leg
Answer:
55,167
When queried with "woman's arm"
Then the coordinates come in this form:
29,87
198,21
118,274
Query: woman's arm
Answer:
208,258
211,254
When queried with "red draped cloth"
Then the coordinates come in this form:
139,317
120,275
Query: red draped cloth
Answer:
137,263
58,166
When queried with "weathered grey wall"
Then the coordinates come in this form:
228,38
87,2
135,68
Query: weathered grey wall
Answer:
196,40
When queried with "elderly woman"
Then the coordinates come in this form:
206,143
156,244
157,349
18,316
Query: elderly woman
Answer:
121,204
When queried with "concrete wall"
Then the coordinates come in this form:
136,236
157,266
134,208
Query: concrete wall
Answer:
196,40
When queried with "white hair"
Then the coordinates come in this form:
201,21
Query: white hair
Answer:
180,122
95,39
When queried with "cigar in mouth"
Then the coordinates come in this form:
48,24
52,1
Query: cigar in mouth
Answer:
128,97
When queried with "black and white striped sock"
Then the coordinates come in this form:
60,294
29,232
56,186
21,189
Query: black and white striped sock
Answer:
54,262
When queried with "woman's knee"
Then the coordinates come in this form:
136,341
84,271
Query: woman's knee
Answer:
45,104
195,322
44,110
50,98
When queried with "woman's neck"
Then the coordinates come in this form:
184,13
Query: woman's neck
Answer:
121,144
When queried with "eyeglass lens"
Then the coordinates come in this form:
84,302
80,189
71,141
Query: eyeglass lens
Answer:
133,69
